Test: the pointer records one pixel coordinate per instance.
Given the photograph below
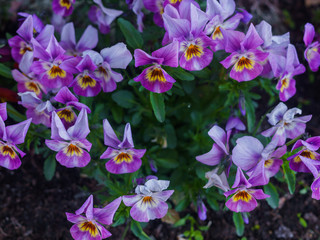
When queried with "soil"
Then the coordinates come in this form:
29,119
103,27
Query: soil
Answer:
32,208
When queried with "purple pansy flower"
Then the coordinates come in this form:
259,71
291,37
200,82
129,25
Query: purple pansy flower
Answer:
312,52
71,144
150,200
220,18
117,56
155,6
123,157
307,159
22,46
220,148
245,57
202,210
186,26
285,69
56,68
86,83
88,40
38,25
244,198
155,78
63,8
39,111
274,45
260,163
28,82
66,114
10,137
285,125
102,16
88,220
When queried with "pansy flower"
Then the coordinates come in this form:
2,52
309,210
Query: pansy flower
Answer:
71,144
243,197
285,125
312,52
86,83
22,46
39,111
10,137
88,220
38,25
103,16
123,157
285,69
88,40
54,66
150,200
261,163
63,7
186,26
66,114
155,6
202,210
307,159
276,46
246,59
155,78
117,56
220,16
219,181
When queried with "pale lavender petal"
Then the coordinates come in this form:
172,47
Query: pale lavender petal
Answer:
87,208
44,36
213,157
176,27
68,37
117,56
233,39
259,194
105,215
3,111
309,33
164,195
252,39
64,96
26,29
130,200
247,152
127,141
235,123
54,48
75,218
16,133
58,131
219,136
88,40
55,145
315,187
80,129
169,53
157,185
142,58
277,113
240,180
110,138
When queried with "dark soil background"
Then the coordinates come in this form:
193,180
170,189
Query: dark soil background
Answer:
32,208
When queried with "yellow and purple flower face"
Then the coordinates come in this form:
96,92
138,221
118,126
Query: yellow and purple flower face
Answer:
155,78
312,52
149,201
8,156
88,220
63,7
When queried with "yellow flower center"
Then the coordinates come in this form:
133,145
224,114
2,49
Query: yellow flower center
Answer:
56,71
284,84
217,34
6,150
123,157
89,227
66,114
155,74
72,150
242,196
193,51
33,87
306,154
65,3
86,81
243,63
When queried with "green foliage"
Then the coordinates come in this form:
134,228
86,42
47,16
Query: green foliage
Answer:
290,177
49,167
239,223
132,35
271,190
138,231
157,103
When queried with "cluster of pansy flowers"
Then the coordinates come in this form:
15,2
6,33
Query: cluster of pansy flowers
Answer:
257,163
49,69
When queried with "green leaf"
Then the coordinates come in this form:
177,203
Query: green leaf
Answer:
239,224
183,204
179,73
132,35
171,136
167,163
123,98
117,114
181,221
271,190
49,168
157,103
5,71
250,112
289,176
138,232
